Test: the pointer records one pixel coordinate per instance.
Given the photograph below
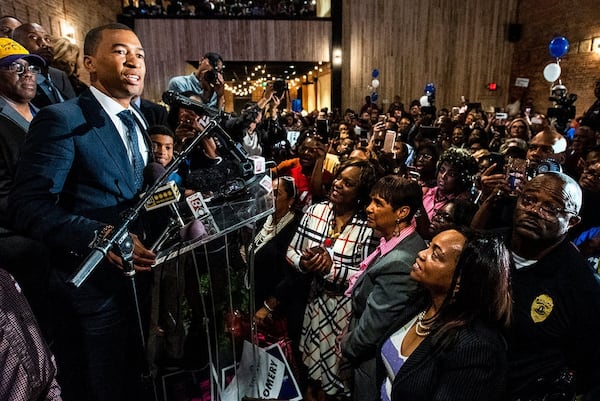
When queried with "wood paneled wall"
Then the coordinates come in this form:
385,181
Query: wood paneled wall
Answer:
169,43
460,46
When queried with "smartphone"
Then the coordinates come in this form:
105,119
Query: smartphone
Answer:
515,174
323,130
388,142
501,116
382,118
498,159
413,174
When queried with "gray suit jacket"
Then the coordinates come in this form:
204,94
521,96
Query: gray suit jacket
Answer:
378,299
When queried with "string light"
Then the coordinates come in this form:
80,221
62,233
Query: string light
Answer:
259,76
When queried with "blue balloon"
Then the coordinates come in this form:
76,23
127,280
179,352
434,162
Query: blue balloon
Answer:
375,73
559,46
374,96
429,89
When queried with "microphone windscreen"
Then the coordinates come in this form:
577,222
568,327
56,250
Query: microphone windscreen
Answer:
193,230
152,172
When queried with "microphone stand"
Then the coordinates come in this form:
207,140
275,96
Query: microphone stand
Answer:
121,241
121,234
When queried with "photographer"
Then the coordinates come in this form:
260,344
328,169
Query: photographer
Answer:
257,128
207,81
546,151
563,109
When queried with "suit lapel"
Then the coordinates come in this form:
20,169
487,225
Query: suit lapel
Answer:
106,133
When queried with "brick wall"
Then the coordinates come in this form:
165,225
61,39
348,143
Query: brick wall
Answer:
54,14
579,22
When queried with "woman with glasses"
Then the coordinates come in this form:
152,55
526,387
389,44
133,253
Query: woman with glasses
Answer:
455,213
425,161
331,241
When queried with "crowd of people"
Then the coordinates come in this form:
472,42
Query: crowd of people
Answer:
222,8
412,254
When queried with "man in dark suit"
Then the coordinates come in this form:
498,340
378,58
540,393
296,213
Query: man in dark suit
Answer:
53,84
155,113
79,168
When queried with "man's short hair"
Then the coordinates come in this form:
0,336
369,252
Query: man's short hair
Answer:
213,59
160,130
93,37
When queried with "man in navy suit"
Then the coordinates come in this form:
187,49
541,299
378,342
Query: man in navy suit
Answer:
79,169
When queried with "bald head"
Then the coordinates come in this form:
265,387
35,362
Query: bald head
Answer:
566,187
546,145
36,39
7,25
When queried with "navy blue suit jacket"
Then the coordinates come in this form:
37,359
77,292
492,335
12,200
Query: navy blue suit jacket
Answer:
73,177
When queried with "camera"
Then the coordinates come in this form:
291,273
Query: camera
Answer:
545,166
564,108
211,76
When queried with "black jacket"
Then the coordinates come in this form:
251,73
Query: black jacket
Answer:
472,367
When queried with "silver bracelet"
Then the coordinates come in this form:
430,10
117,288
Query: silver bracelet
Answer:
267,306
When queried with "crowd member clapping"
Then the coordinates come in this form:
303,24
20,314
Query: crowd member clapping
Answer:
331,241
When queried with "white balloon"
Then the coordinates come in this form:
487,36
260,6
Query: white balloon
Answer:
424,101
552,72
375,83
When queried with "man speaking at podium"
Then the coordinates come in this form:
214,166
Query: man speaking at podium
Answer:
81,166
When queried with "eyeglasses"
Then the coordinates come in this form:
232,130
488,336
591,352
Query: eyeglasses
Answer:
20,69
442,216
545,210
424,156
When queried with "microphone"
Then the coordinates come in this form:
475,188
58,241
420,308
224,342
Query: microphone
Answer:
176,99
166,194
192,231
152,172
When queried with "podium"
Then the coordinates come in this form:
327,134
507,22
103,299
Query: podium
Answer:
222,216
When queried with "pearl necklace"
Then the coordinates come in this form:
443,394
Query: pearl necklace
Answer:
423,329
269,230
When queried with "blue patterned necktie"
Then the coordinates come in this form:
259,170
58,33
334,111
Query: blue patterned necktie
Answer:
136,156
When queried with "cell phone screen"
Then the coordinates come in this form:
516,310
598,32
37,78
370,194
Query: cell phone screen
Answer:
388,142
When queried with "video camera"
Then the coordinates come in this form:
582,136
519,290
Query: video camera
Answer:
564,109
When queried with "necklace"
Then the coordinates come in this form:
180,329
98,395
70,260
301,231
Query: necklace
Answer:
332,233
269,230
423,329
